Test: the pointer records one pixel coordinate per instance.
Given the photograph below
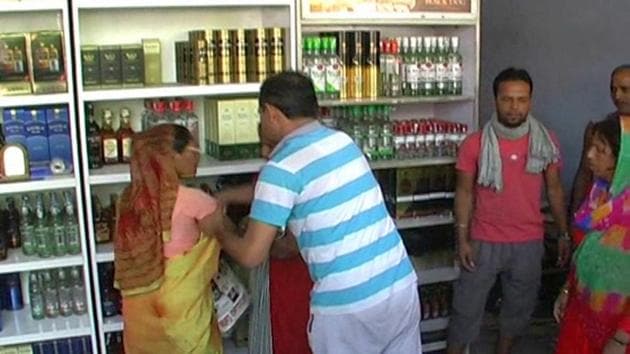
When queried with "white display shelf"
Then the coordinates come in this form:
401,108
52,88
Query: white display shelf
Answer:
424,197
207,167
105,252
173,90
31,5
34,100
51,183
17,262
394,100
19,327
437,275
433,346
403,163
424,221
113,324
121,4
436,324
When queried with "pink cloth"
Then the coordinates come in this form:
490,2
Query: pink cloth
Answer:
512,215
191,206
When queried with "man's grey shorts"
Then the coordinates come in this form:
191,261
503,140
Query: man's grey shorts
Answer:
519,266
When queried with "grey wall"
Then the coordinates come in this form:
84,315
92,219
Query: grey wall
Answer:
569,49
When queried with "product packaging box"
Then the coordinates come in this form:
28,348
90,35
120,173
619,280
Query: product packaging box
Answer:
232,129
47,62
37,141
132,58
13,126
14,72
91,66
111,66
59,143
152,61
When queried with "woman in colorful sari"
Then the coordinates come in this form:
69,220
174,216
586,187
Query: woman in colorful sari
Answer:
164,251
594,305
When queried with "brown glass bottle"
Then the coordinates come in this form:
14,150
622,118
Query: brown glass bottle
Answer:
108,138
14,238
101,226
124,136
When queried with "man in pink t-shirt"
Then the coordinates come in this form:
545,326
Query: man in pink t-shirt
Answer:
500,175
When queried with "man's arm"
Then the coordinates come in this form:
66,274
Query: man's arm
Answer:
285,247
251,249
583,176
463,210
555,194
238,195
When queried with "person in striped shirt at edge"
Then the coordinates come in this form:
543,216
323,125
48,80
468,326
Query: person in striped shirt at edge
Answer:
318,185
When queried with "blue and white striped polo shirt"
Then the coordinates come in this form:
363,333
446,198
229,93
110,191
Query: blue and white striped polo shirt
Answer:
319,185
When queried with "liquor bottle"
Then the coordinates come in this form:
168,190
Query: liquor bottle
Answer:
370,61
175,116
441,67
36,295
95,145
110,300
317,70
101,226
65,293
410,64
113,204
57,226
27,228
306,56
79,303
334,69
51,296
42,231
191,119
386,141
354,70
73,238
4,237
370,147
13,224
455,68
427,71
108,138
124,136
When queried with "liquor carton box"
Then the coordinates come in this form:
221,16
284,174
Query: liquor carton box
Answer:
246,121
13,126
152,61
14,72
37,141
59,143
111,66
199,57
91,66
180,67
132,59
48,62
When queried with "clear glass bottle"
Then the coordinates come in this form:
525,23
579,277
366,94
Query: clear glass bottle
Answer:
455,68
51,296
192,121
36,296
43,235
65,293
441,67
79,303
57,226
27,227
73,237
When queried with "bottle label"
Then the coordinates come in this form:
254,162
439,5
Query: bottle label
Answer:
427,72
411,73
318,75
110,150
456,71
126,148
333,78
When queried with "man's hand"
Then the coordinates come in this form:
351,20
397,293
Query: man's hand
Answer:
560,305
564,252
285,247
466,255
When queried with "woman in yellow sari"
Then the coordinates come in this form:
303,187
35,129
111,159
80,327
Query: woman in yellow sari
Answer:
164,253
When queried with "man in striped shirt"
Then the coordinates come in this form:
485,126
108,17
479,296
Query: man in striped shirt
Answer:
319,185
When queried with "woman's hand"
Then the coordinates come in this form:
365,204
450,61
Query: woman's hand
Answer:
560,305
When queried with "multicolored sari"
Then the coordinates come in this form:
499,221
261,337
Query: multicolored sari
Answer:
599,300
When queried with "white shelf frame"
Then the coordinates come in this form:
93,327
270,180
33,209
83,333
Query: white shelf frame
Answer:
35,100
424,221
118,174
435,324
32,5
20,327
437,275
52,183
433,346
18,262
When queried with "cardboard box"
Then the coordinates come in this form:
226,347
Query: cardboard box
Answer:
48,62
13,126
111,66
132,59
14,69
59,143
37,141
91,66
152,61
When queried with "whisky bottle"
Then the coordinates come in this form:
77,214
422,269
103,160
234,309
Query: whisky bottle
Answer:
95,144
124,136
108,137
101,226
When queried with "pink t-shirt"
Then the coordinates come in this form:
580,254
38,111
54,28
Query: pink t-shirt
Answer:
512,215
191,206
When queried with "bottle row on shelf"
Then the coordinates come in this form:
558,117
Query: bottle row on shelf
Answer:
51,293
435,300
77,345
43,135
111,303
41,230
114,343
358,64
32,63
382,138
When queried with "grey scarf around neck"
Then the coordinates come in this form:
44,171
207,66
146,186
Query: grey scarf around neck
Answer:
541,152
